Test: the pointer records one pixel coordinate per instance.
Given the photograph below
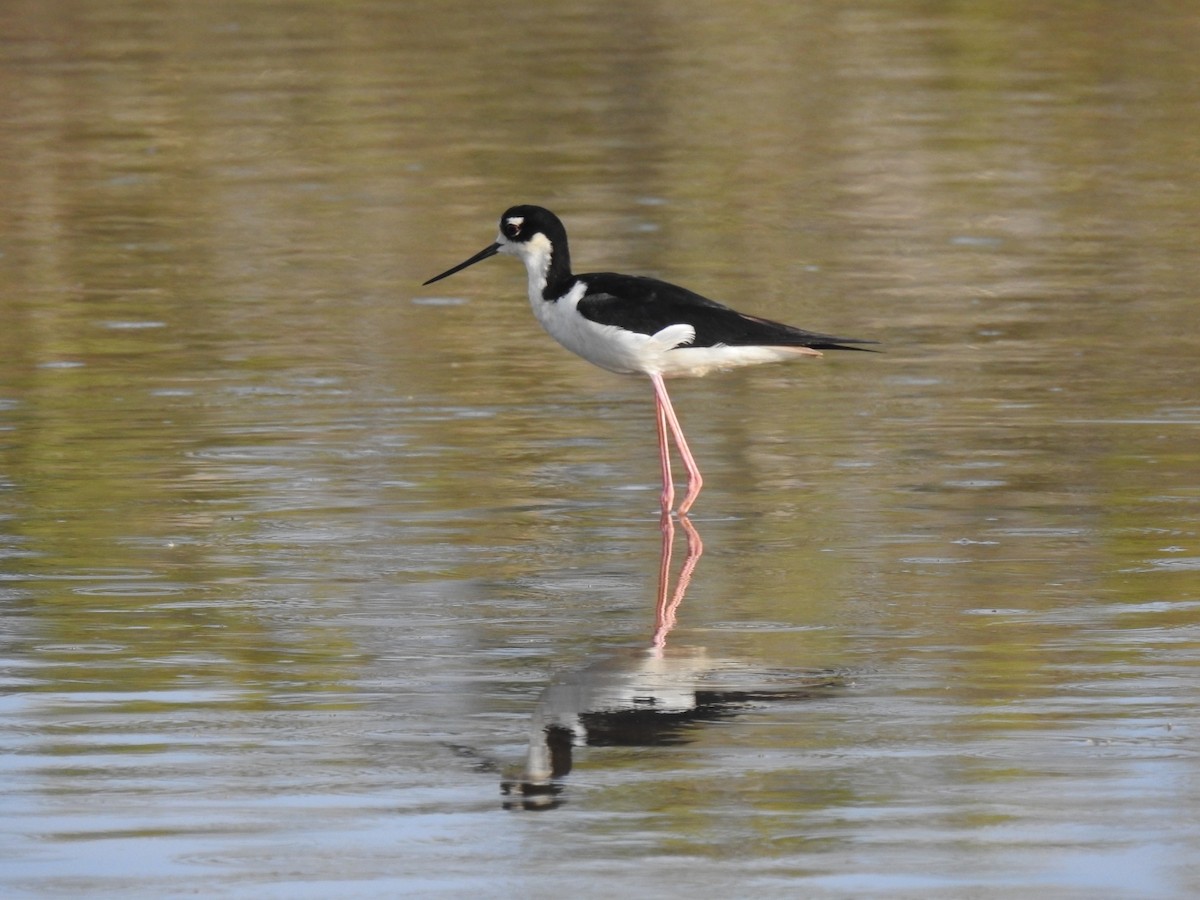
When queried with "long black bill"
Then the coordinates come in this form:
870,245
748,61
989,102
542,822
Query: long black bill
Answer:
478,257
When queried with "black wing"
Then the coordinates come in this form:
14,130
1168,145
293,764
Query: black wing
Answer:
647,305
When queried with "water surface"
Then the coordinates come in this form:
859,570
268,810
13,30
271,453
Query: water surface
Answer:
300,561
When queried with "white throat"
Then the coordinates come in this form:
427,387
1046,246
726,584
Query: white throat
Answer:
535,253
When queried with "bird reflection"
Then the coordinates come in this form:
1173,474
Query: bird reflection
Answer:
647,697
641,698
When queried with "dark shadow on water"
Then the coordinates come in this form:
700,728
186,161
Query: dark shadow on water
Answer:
646,697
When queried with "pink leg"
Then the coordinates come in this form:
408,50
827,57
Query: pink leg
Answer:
664,452
666,414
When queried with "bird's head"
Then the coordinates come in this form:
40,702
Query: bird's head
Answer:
532,233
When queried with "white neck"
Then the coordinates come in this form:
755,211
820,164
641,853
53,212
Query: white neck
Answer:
535,253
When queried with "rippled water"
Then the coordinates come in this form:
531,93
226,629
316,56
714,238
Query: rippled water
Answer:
319,583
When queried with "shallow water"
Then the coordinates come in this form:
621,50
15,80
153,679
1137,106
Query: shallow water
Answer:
302,564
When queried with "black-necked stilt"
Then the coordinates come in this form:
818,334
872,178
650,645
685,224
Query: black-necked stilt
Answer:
636,325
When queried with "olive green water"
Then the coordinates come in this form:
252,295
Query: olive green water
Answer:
295,554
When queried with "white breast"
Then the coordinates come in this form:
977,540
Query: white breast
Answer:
606,346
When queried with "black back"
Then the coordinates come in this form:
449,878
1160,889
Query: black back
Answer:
647,305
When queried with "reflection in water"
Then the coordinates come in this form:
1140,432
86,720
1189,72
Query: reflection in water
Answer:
641,698
668,600
649,697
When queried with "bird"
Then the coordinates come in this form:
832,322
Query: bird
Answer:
633,324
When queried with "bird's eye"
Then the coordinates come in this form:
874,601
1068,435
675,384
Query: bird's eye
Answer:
511,229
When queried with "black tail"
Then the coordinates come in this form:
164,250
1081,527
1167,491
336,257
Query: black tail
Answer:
836,343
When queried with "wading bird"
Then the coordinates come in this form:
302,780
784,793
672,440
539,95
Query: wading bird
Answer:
636,325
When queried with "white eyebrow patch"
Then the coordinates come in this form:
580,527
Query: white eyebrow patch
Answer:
515,220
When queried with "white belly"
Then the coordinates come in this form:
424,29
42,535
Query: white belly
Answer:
628,352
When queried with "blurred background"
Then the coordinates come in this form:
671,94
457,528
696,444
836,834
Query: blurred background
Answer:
291,546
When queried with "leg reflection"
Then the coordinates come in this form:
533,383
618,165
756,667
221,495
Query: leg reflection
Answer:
668,600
